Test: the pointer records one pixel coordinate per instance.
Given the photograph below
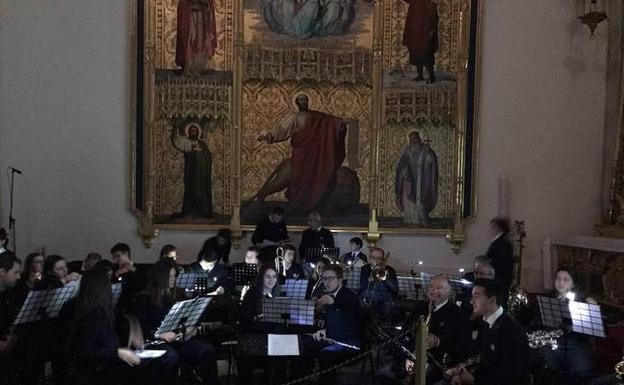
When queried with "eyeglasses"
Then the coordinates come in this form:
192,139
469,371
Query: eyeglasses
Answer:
328,278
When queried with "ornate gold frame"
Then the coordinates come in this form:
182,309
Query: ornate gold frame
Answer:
148,230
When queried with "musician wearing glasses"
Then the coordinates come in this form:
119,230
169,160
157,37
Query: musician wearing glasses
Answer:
450,337
379,285
342,335
501,343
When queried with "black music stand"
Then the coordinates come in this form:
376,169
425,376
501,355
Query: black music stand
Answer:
43,304
288,311
352,278
116,289
183,314
295,288
314,254
204,283
579,317
244,273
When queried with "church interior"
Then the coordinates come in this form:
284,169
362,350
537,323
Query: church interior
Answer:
287,192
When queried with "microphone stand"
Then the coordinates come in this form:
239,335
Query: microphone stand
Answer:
11,199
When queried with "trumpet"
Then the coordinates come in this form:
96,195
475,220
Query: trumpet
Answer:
279,260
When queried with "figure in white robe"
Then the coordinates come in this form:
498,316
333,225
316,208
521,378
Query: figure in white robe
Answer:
416,183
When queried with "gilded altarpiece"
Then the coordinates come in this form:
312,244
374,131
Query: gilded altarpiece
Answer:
341,107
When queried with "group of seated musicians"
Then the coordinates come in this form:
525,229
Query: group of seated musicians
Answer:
95,339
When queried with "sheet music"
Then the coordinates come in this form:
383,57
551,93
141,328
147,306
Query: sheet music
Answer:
145,354
283,345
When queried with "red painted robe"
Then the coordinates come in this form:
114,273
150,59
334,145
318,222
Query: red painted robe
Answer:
420,35
318,150
196,39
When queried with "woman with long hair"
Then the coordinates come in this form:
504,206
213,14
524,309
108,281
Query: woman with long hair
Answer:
31,275
265,287
150,307
95,344
573,357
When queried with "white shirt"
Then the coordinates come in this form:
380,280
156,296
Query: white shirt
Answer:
2,249
440,305
494,316
497,236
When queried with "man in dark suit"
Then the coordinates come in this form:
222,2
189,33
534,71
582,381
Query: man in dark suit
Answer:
315,237
501,342
449,329
378,295
343,323
500,252
355,257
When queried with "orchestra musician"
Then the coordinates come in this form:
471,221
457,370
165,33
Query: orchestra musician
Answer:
379,285
343,324
97,355
270,233
126,273
33,271
355,257
313,238
315,282
501,343
250,318
294,270
449,337
208,265
151,305
10,270
573,357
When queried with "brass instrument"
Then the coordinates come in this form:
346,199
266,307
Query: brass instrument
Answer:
280,261
619,371
428,320
541,338
517,301
458,369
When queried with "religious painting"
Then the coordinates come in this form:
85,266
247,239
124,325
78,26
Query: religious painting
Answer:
184,88
307,110
360,110
424,98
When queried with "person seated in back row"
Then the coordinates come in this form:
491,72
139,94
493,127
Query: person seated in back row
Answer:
355,257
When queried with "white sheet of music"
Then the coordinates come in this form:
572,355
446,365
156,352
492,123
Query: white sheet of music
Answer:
283,345
145,354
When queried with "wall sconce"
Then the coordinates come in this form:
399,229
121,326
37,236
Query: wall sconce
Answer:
591,13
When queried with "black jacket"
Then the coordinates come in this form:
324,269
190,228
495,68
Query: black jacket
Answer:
311,239
500,253
343,319
504,352
265,229
94,341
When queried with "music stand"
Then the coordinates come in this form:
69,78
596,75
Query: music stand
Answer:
183,314
352,278
186,280
295,288
408,287
43,304
580,317
204,283
286,310
314,254
244,273
116,289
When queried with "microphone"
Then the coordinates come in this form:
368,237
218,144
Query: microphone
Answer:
15,170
